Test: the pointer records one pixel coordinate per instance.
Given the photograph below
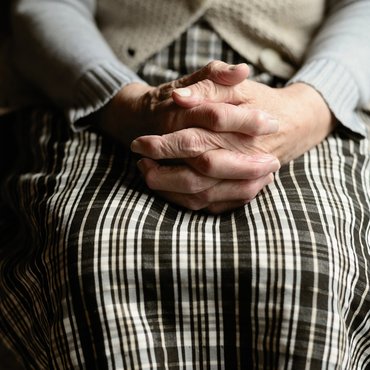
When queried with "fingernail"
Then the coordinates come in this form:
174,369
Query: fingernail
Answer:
135,146
184,92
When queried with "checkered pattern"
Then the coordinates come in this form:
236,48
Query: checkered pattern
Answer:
98,272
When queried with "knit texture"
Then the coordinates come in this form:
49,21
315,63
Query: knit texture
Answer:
131,28
284,26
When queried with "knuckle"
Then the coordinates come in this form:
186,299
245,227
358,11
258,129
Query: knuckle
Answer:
217,116
255,171
151,179
165,90
249,191
195,204
215,70
154,149
181,82
204,163
213,66
205,196
205,88
148,103
201,198
193,184
216,209
258,119
209,67
191,144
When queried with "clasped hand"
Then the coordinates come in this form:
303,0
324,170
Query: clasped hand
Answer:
221,128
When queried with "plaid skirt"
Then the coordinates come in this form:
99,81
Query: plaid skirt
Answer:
97,272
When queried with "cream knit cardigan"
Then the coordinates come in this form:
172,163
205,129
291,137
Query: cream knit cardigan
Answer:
270,33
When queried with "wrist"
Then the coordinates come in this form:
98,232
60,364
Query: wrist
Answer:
307,122
312,102
120,118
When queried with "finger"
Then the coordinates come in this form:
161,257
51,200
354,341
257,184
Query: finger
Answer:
223,196
181,179
233,190
223,117
179,144
207,91
190,143
217,71
227,164
220,117
192,204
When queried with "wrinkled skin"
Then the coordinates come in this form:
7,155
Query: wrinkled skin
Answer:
227,134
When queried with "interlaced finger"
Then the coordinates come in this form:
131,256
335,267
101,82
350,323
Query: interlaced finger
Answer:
227,164
224,196
181,179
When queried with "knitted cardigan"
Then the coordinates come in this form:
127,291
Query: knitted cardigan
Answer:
283,27
80,64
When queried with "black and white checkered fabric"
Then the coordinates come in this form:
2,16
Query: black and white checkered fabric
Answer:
96,272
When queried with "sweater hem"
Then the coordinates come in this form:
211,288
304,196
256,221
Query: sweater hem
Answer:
338,88
95,89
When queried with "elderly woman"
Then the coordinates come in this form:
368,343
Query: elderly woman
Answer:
172,212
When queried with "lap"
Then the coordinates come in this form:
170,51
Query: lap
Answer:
121,276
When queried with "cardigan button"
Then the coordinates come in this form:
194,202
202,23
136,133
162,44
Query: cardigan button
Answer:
271,61
131,52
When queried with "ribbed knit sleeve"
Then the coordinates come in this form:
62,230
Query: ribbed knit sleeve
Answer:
96,87
337,63
58,47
